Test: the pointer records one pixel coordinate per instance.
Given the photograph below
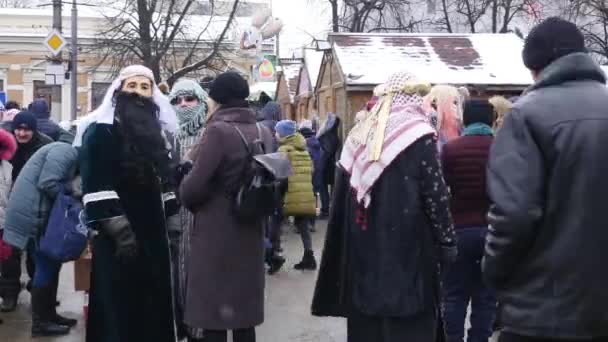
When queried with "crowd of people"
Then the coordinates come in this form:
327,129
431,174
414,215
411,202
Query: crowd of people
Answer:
437,203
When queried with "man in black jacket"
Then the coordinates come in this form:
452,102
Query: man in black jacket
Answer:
40,109
546,249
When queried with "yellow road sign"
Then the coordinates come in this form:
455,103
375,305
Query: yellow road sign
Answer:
54,42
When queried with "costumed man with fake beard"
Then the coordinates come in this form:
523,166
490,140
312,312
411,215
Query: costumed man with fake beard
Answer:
125,168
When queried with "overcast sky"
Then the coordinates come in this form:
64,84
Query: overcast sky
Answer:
301,19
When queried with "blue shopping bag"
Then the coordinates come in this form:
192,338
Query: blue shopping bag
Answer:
66,235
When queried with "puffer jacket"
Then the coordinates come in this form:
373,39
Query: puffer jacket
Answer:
299,199
546,250
8,146
35,190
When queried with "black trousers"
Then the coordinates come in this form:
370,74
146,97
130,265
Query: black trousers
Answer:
240,335
509,337
420,328
10,273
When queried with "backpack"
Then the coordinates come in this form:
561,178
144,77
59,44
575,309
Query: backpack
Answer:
66,235
258,195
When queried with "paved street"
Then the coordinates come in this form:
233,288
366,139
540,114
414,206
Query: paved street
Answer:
288,297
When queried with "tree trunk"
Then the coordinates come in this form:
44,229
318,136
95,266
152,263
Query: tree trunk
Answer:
334,15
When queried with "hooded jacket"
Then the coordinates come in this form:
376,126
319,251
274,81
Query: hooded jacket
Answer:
546,248
35,190
40,109
314,149
269,116
299,199
26,151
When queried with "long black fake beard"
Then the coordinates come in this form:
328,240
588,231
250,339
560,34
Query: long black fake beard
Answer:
144,156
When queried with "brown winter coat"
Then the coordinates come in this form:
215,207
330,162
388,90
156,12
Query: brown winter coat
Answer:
225,288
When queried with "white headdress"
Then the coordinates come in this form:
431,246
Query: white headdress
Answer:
105,112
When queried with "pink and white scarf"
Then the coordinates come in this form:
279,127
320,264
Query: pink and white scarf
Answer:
406,123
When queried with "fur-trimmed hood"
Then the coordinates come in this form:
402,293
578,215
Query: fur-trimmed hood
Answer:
8,145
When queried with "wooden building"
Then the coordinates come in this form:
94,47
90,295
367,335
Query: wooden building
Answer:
306,100
487,64
286,86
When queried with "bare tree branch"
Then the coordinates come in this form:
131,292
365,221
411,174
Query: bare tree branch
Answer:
160,35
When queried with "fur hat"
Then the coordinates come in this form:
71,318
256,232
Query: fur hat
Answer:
551,40
228,87
25,120
478,111
285,128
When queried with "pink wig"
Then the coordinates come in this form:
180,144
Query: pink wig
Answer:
447,102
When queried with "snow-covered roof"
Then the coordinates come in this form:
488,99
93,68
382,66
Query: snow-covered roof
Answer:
488,59
256,89
291,71
312,61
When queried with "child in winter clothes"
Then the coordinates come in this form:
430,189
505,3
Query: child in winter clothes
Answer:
299,200
8,146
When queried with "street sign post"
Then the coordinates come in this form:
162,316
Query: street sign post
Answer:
55,42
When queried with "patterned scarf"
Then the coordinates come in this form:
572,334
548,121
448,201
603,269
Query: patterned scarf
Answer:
395,122
191,120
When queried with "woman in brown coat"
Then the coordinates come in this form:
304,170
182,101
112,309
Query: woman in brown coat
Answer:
225,287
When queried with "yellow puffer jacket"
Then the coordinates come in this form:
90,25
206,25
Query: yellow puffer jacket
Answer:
300,199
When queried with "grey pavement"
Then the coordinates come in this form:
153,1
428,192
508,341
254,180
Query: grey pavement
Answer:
288,298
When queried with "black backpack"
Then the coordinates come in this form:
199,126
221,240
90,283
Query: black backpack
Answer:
258,196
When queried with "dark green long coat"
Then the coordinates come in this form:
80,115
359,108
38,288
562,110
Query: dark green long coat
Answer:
129,301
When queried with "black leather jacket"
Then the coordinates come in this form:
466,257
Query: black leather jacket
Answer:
547,178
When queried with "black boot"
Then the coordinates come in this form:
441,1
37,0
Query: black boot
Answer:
308,262
9,303
276,262
10,289
43,314
56,317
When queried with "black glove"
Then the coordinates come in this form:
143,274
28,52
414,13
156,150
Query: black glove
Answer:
182,170
119,229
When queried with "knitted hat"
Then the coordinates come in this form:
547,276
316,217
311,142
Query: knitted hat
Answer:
285,128
136,70
478,111
228,87
551,40
25,120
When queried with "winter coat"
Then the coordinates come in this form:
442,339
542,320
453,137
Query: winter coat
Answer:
546,250
314,149
383,261
269,116
464,162
35,190
299,200
54,131
47,126
26,151
225,287
330,147
8,147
